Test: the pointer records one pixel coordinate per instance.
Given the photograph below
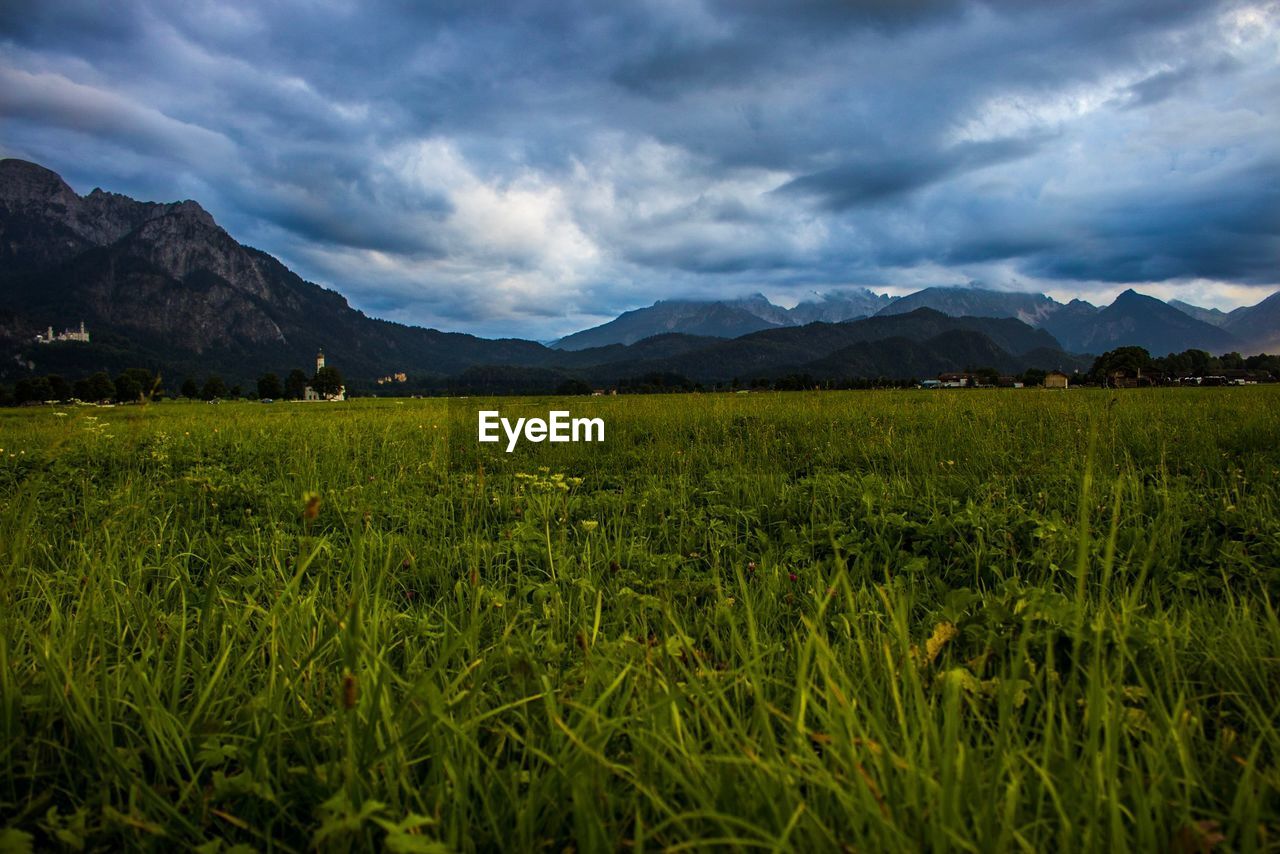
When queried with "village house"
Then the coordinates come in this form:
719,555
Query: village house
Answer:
1057,379
956,380
1133,379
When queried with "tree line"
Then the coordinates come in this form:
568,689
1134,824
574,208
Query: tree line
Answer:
139,384
1132,361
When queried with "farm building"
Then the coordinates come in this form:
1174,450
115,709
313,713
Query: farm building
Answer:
1057,379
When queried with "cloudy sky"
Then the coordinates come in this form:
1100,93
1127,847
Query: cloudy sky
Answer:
532,168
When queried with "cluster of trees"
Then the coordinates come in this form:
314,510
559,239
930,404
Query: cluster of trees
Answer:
1189,363
130,385
138,384
213,388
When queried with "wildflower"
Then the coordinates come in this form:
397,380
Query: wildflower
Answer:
943,633
589,525
310,505
792,576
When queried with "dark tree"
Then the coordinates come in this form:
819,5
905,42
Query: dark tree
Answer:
189,389
573,387
794,382
214,388
80,389
1264,362
128,389
985,375
659,381
59,389
269,387
327,381
147,382
1033,377
1189,363
295,385
100,387
32,390
235,392
1129,360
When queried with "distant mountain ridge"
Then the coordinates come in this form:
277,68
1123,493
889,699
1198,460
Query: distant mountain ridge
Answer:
1134,319
1212,316
1030,308
1079,327
725,318
719,319
1257,324
920,343
1131,320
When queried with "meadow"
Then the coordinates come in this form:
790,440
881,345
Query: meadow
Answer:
862,621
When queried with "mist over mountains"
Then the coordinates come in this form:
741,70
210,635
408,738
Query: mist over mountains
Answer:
164,287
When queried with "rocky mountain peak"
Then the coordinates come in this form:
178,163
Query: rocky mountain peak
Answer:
24,182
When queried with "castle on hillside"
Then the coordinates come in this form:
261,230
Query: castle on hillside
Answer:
311,394
47,337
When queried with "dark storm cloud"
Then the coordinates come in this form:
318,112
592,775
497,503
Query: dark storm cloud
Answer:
1228,230
498,166
1158,87
871,180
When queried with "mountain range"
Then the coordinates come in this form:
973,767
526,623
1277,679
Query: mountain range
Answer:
162,286
725,318
1133,319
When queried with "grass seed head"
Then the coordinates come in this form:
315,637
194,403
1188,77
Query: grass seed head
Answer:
350,690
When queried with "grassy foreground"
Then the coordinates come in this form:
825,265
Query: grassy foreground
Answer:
1016,620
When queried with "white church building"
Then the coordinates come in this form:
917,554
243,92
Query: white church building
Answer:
312,394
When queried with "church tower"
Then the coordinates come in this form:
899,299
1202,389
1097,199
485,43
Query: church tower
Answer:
319,360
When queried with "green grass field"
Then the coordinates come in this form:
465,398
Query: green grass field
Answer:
874,621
